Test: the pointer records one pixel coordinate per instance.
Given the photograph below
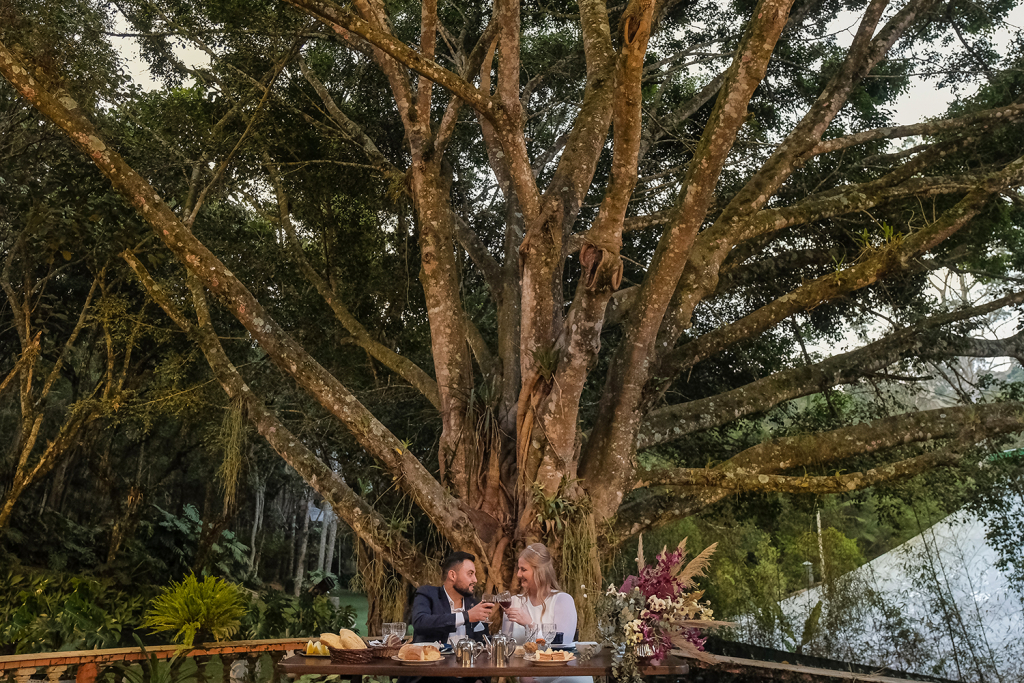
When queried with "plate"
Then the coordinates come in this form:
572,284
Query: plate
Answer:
533,659
416,662
303,653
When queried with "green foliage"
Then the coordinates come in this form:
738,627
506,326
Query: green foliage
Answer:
177,669
180,538
43,611
277,615
210,608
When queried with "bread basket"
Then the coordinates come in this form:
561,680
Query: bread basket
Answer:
385,651
339,656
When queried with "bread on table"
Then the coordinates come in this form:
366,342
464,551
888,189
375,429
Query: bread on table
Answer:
414,652
550,655
344,640
529,648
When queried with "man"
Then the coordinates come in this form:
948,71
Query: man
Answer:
439,612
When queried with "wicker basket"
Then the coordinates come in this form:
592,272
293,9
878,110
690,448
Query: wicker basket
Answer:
385,651
350,656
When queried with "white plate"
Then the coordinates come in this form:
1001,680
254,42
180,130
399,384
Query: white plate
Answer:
533,659
417,661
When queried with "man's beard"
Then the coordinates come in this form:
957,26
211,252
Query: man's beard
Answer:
465,590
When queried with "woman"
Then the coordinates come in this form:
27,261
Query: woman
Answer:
541,602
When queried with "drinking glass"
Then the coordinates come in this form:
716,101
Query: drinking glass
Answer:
547,632
488,597
396,628
504,599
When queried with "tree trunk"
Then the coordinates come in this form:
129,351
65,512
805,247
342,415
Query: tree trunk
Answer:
303,527
325,511
257,522
332,537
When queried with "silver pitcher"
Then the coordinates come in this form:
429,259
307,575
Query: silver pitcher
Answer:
466,651
502,648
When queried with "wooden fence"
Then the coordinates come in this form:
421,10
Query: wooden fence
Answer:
85,665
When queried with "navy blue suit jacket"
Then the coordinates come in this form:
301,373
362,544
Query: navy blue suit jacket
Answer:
432,617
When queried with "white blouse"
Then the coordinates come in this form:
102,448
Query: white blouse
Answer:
558,609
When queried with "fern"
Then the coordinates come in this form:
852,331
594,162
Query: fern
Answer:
213,606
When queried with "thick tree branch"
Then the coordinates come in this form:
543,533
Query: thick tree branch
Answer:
349,127
700,276
744,482
609,450
64,112
337,17
400,365
921,340
975,123
893,257
754,468
365,522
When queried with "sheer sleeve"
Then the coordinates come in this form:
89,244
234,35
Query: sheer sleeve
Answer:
563,609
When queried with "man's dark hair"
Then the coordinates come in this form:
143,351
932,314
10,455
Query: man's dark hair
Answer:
454,561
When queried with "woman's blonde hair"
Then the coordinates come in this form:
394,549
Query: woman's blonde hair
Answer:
539,558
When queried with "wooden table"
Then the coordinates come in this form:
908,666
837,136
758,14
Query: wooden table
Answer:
598,665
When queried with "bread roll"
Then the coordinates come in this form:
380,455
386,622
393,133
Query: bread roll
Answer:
332,640
410,652
530,648
414,652
351,640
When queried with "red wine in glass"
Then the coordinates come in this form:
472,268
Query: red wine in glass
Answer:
505,604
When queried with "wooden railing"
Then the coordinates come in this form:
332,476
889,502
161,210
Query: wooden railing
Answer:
86,664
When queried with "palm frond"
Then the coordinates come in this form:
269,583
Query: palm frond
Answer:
688,649
698,565
681,549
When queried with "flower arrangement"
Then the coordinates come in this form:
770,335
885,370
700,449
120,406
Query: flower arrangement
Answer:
656,610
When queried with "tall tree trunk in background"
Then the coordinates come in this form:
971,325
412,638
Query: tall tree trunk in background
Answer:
325,512
257,521
332,537
303,526
214,525
58,484
288,515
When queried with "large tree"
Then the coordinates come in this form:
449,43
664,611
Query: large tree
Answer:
631,222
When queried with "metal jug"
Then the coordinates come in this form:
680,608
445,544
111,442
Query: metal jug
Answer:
502,648
466,651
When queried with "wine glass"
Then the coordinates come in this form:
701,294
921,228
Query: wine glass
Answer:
504,599
548,631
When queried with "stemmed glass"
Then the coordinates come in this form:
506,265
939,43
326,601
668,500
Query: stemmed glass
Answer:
396,628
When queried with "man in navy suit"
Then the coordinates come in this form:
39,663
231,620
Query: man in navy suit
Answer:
439,612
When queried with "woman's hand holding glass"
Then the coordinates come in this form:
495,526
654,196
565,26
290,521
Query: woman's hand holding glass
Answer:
517,612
